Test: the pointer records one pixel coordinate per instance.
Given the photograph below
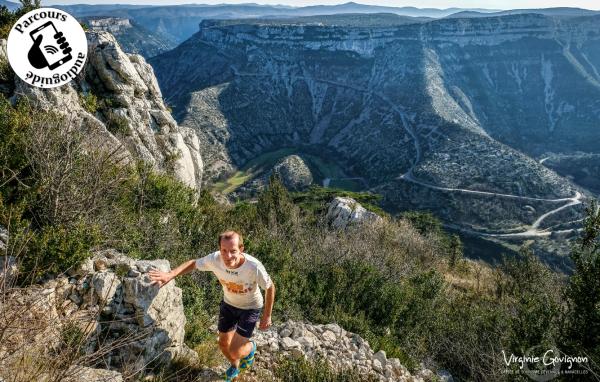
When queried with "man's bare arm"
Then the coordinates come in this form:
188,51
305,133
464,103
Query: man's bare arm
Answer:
265,321
162,278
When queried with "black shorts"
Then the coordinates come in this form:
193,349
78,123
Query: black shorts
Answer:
242,320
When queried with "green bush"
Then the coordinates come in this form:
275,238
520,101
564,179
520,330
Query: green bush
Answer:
118,124
56,249
315,199
8,18
89,102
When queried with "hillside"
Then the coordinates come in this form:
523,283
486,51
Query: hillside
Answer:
468,105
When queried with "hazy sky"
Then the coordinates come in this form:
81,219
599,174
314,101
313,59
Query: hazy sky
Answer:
494,4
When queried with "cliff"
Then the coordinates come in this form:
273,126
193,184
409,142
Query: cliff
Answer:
119,105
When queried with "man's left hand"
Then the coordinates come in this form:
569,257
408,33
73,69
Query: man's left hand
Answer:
265,323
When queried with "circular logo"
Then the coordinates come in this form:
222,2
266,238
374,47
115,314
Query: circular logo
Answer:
47,47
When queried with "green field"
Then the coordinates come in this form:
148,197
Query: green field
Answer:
321,169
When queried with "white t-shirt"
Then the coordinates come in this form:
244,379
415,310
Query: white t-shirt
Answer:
239,284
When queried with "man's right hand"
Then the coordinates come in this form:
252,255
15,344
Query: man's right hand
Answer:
160,278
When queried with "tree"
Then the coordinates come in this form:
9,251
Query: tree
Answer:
581,334
275,207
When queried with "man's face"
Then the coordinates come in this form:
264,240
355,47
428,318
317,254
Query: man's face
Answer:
231,252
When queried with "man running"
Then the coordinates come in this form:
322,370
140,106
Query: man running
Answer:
240,275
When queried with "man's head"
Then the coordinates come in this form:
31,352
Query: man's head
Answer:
231,246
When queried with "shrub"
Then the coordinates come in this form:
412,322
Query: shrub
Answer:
58,248
89,102
118,124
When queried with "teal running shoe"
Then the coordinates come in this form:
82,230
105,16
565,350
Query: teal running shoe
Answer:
231,373
247,361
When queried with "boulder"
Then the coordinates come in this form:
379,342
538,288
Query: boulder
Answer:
344,212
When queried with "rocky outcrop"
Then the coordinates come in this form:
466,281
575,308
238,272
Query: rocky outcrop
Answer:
344,212
125,321
120,290
341,349
109,24
129,111
294,173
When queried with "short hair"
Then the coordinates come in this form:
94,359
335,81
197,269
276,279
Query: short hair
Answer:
228,235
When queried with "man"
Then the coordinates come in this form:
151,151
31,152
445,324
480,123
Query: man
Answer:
240,276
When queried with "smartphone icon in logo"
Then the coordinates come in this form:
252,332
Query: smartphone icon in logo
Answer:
49,46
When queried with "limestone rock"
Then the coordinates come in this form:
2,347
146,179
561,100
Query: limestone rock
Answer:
105,285
344,212
128,320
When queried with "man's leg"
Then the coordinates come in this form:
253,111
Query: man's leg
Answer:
240,344
240,347
226,326
225,340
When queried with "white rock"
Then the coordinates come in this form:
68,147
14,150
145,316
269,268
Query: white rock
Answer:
287,343
344,212
329,336
380,356
105,285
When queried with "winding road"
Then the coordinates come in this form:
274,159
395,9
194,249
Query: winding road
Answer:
531,232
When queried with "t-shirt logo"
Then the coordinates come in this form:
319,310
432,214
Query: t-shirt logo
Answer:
232,272
235,287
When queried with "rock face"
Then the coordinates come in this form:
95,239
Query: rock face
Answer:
294,173
345,212
341,349
120,289
129,113
127,322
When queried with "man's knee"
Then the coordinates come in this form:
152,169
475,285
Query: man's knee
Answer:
225,342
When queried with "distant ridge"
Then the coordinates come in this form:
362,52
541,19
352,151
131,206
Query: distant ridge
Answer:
179,22
9,4
560,11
